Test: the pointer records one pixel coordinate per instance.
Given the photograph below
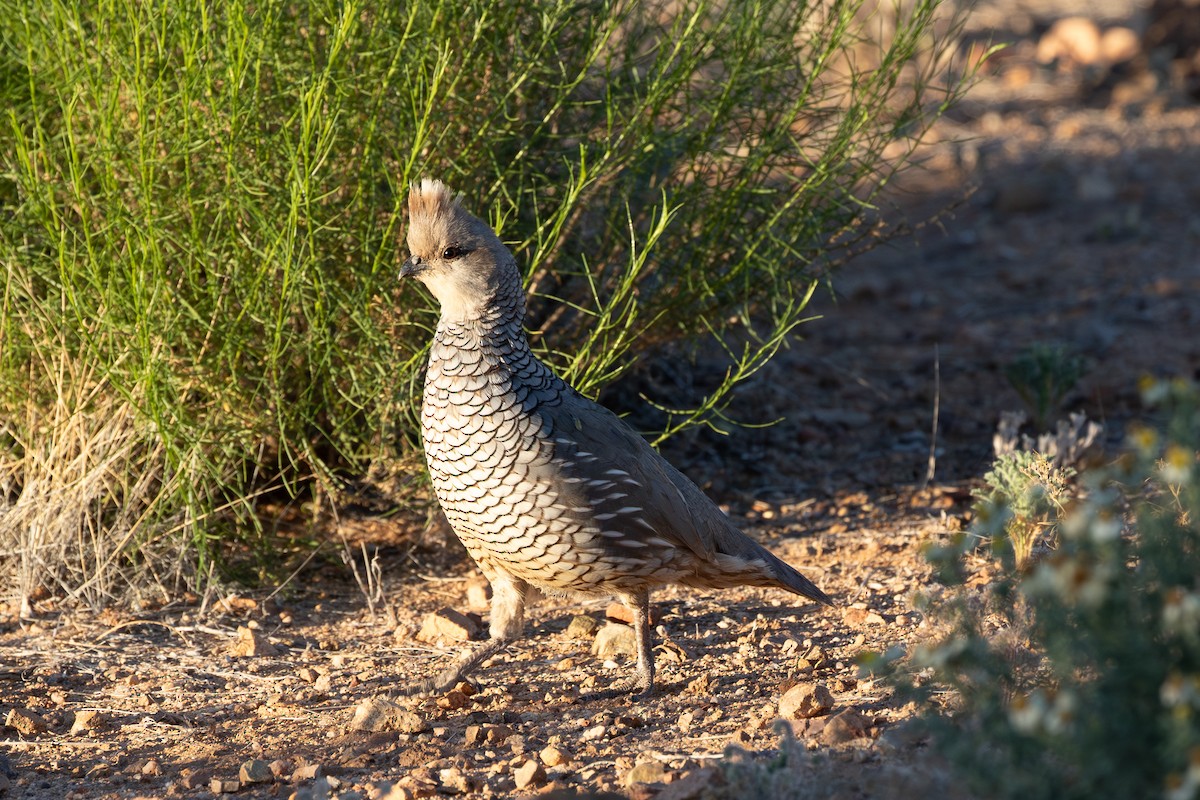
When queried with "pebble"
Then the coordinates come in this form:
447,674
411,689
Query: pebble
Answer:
223,786
595,732
251,644
88,720
615,639
619,612
26,722
479,593
581,627
805,700
529,774
844,727
379,715
446,624
554,756
646,772
452,700
255,771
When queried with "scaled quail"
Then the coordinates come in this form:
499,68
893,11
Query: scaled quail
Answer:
543,486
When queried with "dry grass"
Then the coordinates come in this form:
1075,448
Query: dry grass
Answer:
79,482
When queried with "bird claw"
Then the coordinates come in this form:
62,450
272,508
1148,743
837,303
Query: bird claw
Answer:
634,686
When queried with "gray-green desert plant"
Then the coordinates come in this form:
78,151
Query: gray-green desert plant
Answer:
1095,690
1021,502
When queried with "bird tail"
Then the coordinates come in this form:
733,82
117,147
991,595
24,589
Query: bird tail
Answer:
789,578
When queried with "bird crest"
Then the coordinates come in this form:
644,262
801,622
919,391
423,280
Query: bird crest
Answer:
433,199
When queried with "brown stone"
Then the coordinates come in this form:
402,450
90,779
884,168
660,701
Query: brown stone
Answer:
615,639
26,722
619,612
447,625
554,756
805,700
251,643
844,727
529,774
88,720
377,714
581,627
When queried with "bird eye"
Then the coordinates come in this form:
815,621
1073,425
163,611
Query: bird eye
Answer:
453,251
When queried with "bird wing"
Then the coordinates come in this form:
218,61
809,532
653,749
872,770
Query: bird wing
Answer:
634,491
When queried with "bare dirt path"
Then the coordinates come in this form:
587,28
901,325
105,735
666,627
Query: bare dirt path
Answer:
1081,229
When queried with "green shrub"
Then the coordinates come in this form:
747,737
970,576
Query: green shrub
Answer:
1081,677
201,215
1021,502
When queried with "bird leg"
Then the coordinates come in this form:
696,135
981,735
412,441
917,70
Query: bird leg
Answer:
508,614
639,603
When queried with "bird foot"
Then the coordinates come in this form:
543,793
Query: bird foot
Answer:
633,685
448,678
431,686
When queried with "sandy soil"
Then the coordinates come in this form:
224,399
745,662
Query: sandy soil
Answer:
1078,227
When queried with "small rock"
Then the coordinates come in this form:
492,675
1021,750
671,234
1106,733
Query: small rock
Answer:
581,627
88,720
307,772
691,786
529,774
844,727
479,593
615,639
1118,45
594,732
447,625
453,780
646,772
685,721
619,612
223,786
308,674
194,780
377,714
452,700
251,643
473,736
255,771
318,790
151,768
386,790
554,756
805,700
1072,39
26,722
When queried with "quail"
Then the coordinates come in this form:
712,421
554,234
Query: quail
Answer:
546,488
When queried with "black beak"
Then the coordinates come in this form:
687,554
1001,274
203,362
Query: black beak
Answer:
412,267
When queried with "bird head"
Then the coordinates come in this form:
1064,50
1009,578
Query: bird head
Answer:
456,255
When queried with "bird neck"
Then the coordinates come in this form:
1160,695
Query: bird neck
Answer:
498,324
